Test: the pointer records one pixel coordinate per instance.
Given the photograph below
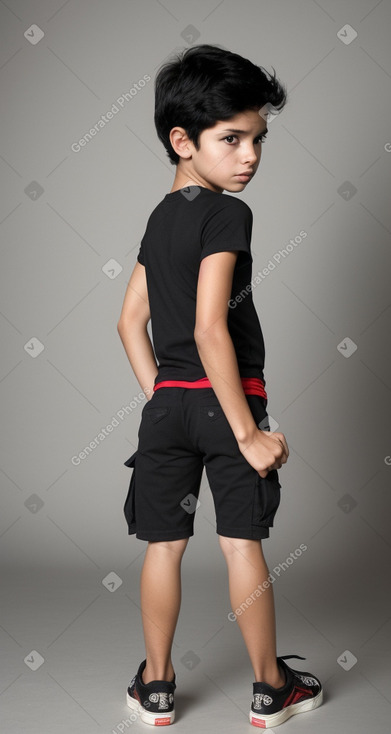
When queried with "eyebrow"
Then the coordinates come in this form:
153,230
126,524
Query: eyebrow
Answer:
235,130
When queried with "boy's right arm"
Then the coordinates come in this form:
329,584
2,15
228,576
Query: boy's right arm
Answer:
262,449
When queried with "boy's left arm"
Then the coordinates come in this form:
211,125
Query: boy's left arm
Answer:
263,450
132,328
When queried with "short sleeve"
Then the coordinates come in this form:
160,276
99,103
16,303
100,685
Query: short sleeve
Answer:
228,228
140,256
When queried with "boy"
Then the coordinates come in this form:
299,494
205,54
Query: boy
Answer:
207,397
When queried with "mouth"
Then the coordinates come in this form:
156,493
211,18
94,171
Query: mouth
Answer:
245,176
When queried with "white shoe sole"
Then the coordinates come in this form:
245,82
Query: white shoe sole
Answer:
269,720
147,717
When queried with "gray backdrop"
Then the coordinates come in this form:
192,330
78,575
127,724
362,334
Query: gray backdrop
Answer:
73,211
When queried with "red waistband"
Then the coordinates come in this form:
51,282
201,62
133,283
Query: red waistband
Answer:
251,385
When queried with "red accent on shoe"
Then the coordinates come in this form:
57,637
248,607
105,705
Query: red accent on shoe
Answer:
258,722
297,695
136,695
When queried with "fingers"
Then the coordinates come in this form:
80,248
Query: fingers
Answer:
264,473
285,445
279,460
282,441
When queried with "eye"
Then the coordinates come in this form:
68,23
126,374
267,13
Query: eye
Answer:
261,138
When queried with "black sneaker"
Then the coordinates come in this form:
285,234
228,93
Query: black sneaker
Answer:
272,706
154,701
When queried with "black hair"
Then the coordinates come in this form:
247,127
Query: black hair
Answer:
204,84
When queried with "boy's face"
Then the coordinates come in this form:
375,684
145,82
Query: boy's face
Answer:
227,150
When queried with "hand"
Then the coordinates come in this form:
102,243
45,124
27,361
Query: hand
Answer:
265,451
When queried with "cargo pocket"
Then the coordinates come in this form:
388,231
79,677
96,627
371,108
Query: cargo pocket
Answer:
267,496
129,506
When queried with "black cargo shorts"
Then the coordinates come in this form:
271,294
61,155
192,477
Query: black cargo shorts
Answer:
183,430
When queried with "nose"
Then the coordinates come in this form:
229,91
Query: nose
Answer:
250,155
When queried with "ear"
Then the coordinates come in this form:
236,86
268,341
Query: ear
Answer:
180,142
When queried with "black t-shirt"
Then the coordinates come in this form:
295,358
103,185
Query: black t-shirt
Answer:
186,226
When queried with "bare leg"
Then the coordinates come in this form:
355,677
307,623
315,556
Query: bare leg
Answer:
160,591
246,570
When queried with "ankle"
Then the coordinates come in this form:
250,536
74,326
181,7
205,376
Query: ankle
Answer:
165,672
274,677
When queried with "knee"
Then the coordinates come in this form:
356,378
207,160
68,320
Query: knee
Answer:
177,547
242,546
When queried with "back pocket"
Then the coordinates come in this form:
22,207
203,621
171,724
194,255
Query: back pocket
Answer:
212,412
267,497
156,413
129,506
